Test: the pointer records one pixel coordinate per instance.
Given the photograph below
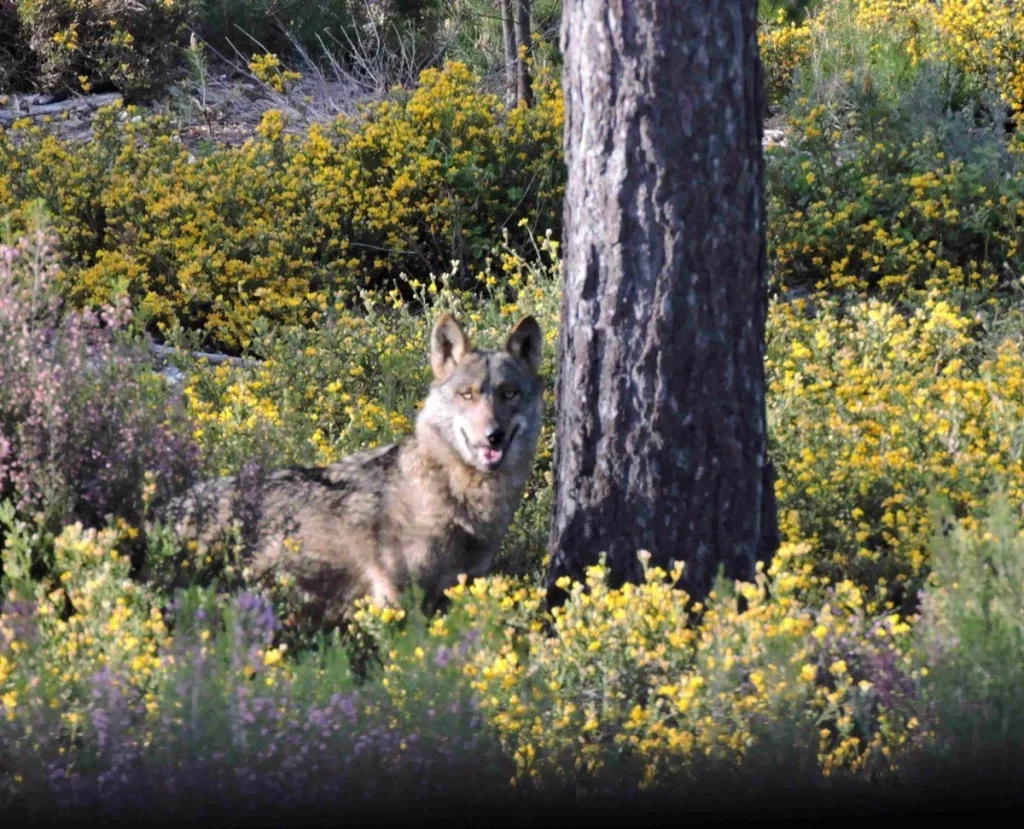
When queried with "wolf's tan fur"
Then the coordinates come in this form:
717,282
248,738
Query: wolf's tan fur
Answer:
427,508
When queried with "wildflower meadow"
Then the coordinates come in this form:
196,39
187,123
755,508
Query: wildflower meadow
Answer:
878,658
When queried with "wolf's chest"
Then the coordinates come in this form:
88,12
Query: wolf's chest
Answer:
461,528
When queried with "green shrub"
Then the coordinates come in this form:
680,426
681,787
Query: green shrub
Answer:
972,635
881,41
894,195
275,24
132,45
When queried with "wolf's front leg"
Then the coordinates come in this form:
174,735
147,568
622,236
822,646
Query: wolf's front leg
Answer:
383,590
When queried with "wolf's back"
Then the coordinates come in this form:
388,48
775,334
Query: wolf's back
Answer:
320,524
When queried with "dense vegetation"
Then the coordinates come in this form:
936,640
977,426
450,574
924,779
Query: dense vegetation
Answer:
882,648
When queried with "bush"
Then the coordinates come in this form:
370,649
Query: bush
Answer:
784,47
285,223
984,39
200,703
871,412
85,431
85,617
132,45
624,690
630,696
898,175
893,196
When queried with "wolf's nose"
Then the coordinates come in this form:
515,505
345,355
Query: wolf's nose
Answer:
495,437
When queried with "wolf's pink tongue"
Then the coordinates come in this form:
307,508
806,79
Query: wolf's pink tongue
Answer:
492,455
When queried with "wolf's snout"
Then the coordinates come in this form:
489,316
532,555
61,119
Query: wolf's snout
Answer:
495,437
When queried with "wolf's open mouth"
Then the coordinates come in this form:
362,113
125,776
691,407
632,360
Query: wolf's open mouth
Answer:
492,457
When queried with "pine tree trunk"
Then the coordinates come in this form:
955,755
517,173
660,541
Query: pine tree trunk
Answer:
524,83
660,441
508,32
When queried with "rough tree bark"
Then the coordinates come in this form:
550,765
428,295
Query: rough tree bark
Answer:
508,32
524,83
660,441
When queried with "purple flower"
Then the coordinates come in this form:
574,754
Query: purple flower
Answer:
82,423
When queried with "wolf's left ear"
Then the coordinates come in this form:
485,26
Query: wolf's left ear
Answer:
526,342
448,345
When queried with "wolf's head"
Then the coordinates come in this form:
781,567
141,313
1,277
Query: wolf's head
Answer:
485,405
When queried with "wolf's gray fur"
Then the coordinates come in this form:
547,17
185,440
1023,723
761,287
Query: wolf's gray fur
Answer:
432,506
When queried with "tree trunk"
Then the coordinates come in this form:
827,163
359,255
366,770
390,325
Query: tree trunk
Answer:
524,83
508,31
660,441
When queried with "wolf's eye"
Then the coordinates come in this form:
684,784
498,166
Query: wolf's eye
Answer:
466,394
509,394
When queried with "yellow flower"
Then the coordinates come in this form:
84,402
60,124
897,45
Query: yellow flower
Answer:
9,700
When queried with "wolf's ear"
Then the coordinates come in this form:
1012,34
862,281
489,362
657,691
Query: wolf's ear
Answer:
526,342
448,345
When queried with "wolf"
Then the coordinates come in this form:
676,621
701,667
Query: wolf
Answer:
435,505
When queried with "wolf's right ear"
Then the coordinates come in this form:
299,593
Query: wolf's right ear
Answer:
448,345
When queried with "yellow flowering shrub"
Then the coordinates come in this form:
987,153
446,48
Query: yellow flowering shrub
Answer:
985,40
876,198
635,687
90,617
784,46
285,223
267,69
897,174
872,412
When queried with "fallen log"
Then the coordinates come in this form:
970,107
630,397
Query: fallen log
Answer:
165,352
81,103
